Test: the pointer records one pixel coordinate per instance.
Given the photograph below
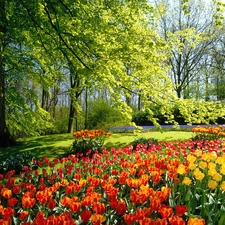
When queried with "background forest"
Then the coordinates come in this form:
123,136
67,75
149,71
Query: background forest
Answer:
67,65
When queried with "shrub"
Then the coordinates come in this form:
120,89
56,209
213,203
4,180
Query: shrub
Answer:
16,162
140,118
145,141
103,115
88,141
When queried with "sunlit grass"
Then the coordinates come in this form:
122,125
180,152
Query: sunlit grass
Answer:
57,145
121,140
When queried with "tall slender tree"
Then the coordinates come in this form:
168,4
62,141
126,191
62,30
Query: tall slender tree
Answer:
5,137
189,33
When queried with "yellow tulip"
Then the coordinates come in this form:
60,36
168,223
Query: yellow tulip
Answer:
186,181
220,160
198,152
222,186
191,166
211,172
202,165
181,169
222,170
211,165
212,156
196,171
212,184
217,177
191,158
199,176
206,157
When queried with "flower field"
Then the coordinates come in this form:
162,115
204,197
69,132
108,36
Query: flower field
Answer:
174,183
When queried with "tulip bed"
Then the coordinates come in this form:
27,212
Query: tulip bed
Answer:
173,183
209,132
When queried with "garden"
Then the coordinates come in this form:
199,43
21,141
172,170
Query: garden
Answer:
148,182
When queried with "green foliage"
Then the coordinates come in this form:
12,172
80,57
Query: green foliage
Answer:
219,14
28,122
206,137
140,118
102,115
145,141
84,147
60,121
16,162
201,112
186,111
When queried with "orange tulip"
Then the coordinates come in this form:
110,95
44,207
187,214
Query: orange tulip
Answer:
196,221
6,193
97,219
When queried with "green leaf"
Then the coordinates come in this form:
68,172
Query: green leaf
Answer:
188,196
222,220
16,221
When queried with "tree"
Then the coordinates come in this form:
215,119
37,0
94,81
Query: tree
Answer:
91,43
19,76
218,65
97,39
5,137
92,38
189,34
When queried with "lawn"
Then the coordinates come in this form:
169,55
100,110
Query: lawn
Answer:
57,145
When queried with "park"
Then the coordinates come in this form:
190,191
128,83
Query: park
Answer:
112,112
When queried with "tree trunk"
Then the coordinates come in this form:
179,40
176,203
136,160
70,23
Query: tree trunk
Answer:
56,91
44,100
86,108
71,117
74,95
178,90
6,139
139,103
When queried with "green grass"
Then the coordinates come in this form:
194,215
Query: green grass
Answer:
57,145
121,140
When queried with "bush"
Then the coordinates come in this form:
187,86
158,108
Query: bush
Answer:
16,162
88,141
102,115
141,119
145,141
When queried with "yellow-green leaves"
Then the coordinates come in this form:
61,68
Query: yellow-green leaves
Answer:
220,10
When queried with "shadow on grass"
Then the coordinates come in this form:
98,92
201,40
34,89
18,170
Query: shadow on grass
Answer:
58,145
52,146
